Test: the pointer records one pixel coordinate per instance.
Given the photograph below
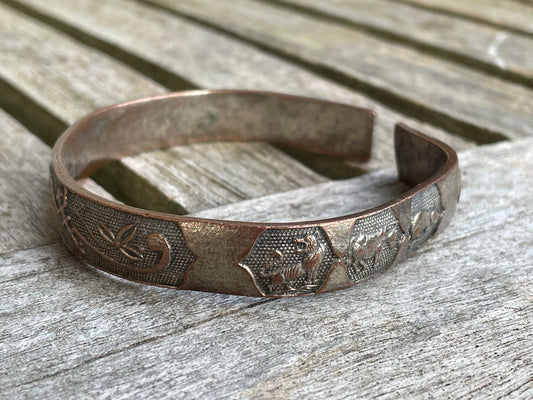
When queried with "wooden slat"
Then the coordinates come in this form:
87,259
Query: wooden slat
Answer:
485,47
439,91
58,314
112,314
227,64
454,319
24,218
510,15
211,174
70,80
343,197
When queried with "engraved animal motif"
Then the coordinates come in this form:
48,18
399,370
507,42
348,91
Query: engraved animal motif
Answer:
422,221
281,275
314,251
286,275
366,249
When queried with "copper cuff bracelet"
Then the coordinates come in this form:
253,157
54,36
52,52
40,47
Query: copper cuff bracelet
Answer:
246,258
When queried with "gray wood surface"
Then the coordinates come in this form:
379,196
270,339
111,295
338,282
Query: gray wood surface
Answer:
24,218
454,321
514,15
343,197
50,266
234,65
461,99
70,80
488,48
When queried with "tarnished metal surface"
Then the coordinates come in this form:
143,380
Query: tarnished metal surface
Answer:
126,244
242,257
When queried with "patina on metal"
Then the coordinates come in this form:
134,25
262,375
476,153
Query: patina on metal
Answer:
246,258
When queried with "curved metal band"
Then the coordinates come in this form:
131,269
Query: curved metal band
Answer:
255,259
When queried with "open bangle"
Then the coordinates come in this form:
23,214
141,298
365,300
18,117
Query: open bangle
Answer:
247,258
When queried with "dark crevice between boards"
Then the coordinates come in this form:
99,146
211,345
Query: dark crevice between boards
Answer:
405,105
130,188
330,167
435,51
30,114
115,178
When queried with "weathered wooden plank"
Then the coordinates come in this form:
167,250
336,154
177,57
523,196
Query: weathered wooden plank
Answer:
218,173
455,320
92,186
57,313
459,315
70,80
227,64
25,220
486,47
24,160
105,309
326,200
510,15
24,217
442,92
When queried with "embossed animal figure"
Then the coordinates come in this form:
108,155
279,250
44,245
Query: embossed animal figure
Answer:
281,275
422,221
286,275
315,254
366,248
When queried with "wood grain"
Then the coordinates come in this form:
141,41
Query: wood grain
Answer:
442,92
25,220
324,200
488,48
452,320
58,314
228,64
511,15
218,173
70,80
111,313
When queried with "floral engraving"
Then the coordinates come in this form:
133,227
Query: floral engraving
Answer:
121,240
74,238
82,238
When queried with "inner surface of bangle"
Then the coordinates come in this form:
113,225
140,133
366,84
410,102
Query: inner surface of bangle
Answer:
313,125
